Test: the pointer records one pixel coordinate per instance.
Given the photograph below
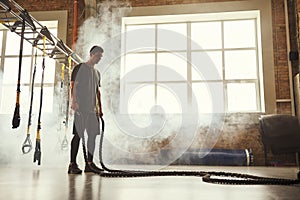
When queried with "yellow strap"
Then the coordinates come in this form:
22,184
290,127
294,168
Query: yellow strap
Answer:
69,63
38,134
44,46
18,98
63,72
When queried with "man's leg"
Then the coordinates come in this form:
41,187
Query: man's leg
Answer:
91,147
74,147
93,130
73,167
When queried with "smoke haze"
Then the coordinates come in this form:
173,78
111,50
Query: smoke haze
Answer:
129,139
138,138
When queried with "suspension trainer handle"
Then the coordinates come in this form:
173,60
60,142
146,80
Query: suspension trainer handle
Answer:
27,145
37,154
65,144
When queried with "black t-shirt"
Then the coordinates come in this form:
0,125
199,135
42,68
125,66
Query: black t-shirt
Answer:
87,81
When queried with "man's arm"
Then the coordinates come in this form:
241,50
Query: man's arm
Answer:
73,83
74,103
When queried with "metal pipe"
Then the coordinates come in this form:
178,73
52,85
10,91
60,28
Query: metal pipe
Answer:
75,21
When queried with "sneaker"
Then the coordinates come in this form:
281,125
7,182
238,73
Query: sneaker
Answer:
73,169
92,168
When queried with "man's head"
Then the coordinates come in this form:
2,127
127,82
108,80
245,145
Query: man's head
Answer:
96,54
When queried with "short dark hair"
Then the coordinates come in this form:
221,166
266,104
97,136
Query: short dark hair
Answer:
96,49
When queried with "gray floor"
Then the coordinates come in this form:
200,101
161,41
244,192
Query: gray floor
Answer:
45,182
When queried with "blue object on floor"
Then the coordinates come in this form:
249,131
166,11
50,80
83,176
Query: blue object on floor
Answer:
216,157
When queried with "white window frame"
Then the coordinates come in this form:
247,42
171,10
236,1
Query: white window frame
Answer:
266,87
59,17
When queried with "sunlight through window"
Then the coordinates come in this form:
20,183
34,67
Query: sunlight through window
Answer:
214,57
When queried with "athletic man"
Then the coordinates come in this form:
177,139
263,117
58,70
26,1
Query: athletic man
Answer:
86,103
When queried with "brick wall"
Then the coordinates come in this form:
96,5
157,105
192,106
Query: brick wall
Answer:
49,5
281,67
170,2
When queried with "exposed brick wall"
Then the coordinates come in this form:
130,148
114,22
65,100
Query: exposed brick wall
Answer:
170,2
281,67
49,5
284,108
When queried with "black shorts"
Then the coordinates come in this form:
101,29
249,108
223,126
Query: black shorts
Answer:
86,121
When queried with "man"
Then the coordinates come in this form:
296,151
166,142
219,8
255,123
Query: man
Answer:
86,103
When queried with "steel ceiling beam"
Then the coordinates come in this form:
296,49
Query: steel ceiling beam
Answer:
12,15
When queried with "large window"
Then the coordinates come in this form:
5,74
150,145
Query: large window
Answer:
173,60
9,49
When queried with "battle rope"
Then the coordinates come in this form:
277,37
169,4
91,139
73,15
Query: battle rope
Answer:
37,153
16,118
207,176
27,145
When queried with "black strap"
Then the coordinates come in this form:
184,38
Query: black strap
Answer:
27,142
16,117
37,153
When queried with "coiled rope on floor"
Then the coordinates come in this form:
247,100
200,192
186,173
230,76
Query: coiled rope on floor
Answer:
214,177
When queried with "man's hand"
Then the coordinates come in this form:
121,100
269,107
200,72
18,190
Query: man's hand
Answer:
74,106
100,113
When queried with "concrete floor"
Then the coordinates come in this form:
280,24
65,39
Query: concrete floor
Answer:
45,183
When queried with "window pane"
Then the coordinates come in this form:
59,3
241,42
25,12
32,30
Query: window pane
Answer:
206,35
1,38
8,99
47,104
172,97
171,67
139,67
239,33
241,97
209,97
140,38
53,31
219,51
10,74
207,65
140,98
171,37
50,24
13,45
49,73
240,64
11,68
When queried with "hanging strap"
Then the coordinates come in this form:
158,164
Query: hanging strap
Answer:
64,144
37,153
16,118
27,145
